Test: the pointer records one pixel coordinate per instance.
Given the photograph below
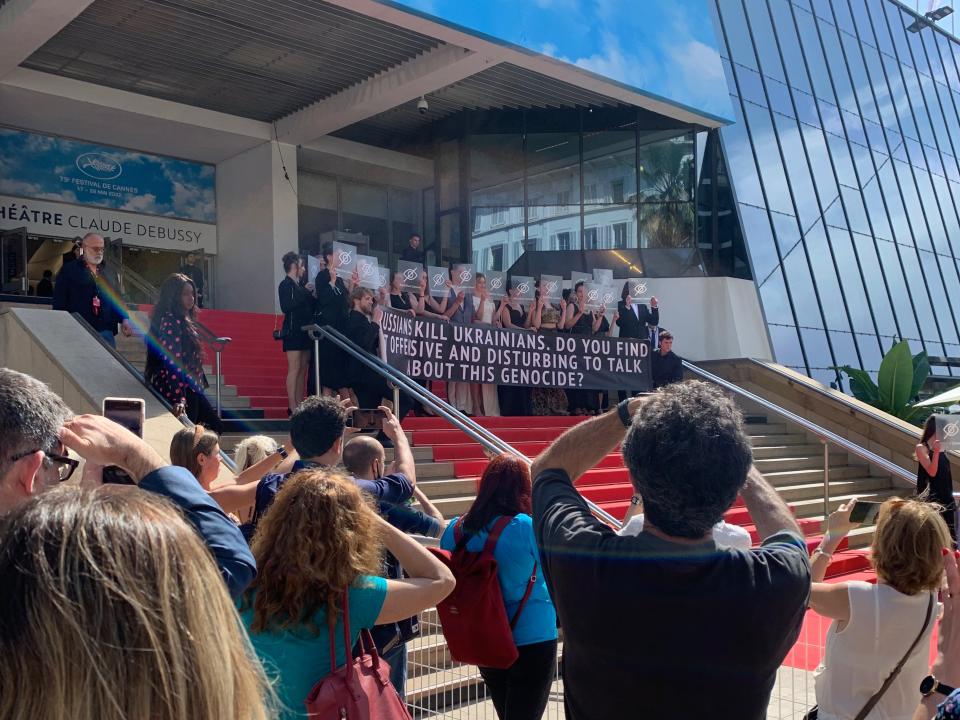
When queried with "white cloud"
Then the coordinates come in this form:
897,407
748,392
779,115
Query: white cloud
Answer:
141,203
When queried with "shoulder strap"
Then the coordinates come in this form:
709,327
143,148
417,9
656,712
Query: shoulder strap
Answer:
526,595
495,531
871,703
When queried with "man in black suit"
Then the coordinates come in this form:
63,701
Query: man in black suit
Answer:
633,317
665,366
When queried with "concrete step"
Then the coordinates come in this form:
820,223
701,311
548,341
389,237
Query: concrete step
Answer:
813,492
442,489
764,439
839,494
228,401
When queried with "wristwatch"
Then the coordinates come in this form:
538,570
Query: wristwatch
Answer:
930,685
636,500
282,452
623,410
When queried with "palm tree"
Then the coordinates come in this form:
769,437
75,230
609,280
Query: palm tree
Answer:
666,212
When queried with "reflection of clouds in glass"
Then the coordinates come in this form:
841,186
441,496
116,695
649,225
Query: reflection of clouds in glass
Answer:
141,203
34,190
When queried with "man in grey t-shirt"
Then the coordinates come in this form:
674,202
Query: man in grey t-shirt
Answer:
666,623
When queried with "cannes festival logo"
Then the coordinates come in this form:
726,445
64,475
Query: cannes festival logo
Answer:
99,166
950,430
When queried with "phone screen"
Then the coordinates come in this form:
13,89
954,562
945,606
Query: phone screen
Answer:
129,413
864,512
368,419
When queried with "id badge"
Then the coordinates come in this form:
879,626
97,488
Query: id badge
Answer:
96,304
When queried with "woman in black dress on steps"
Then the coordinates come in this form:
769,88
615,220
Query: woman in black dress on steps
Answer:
514,400
296,302
333,306
933,475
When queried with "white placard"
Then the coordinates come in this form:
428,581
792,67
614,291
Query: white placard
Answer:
437,279
345,259
366,266
463,277
410,273
496,283
948,431
639,289
526,290
551,287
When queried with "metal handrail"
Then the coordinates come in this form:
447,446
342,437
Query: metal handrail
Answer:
842,397
445,410
138,376
826,436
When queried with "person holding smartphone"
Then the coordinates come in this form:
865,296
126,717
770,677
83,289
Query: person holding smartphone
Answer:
880,629
934,481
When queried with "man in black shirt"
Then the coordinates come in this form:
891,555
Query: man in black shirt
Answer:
666,367
87,288
195,272
665,624
413,252
45,286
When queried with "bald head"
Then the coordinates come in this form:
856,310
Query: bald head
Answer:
363,457
92,246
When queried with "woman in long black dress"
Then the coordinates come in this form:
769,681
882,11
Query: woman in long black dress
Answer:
333,305
514,400
933,475
174,354
581,321
296,302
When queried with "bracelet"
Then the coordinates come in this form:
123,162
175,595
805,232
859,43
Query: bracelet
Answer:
819,551
282,452
636,500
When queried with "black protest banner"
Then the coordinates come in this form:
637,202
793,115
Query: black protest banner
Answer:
430,349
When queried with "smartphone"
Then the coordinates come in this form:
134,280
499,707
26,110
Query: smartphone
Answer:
128,412
864,512
367,419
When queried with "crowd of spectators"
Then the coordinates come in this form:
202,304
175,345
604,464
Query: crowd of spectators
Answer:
147,601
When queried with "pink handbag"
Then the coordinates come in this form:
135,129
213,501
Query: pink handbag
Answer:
360,689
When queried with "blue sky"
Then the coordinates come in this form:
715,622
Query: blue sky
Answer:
45,167
663,47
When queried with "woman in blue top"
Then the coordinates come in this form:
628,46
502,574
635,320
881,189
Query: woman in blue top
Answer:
319,538
521,691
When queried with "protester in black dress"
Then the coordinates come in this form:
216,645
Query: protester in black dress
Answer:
333,304
398,298
933,475
514,400
296,302
174,354
581,321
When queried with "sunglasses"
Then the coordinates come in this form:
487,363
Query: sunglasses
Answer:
65,465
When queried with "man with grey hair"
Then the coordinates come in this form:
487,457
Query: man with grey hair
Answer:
666,621
87,288
36,430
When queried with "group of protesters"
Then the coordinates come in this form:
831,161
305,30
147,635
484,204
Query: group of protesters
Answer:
341,301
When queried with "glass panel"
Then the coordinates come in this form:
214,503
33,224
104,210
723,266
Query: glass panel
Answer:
844,349
609,167
859,77
766,44
825,273
851,281
765,145
496,170
404,218
496,236
448,165
776,303
811,45
818,350
756,228
840,152
802,290
870,352
316,211
856,215
800,181
898,288
738,36
365,213
792,57
915,210
877,211
553,169
838,66
666,225
941,305
740,162
786,346
553,228
610,226
876,289
319,191
891,195
666,168
451,249
751,86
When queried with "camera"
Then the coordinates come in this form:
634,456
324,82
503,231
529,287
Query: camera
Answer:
422,105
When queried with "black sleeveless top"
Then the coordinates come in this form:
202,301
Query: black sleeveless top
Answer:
584,325
517,317
399,302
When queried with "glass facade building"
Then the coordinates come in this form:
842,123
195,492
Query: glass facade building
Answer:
843,164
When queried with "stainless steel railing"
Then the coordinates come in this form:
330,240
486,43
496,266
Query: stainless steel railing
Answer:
455,417
826,437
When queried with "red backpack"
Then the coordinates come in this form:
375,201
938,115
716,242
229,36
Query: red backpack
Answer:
361,688
473,616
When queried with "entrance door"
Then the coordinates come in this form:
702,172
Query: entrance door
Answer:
13,262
